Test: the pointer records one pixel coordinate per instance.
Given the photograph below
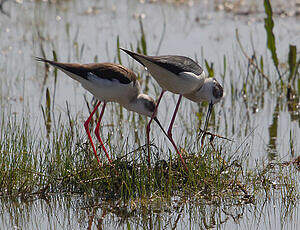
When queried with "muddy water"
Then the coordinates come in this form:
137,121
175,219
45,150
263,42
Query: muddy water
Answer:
82,31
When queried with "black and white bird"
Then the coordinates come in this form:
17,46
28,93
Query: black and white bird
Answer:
109,82
180,75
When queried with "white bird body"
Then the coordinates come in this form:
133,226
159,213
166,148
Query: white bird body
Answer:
111,90
182,83
107,90
109,83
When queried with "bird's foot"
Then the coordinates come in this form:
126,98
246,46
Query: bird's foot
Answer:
212,136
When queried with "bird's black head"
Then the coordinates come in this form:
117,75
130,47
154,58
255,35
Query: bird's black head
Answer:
150,104
217,90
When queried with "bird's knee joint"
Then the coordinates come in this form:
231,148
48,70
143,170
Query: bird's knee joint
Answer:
148,128
86,125
97,132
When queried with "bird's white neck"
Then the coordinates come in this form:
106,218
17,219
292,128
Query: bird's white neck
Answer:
204,93
142,104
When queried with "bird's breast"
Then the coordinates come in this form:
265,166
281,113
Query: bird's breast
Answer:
107,90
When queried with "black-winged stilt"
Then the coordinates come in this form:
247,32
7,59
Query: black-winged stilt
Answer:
180,75
109,82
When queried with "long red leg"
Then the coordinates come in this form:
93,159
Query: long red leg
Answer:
171,142
170,131
174,116
148,126
98,135
86,126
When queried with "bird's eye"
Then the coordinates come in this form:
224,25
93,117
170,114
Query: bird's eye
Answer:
217,90
150,106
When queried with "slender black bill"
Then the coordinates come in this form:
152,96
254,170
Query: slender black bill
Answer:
157,121
208,116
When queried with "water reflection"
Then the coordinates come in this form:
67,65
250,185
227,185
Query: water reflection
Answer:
273,133
77,212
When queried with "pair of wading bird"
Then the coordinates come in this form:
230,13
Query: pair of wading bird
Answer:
114,83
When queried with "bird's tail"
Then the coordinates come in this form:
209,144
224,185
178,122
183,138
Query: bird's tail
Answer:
135,56
53,63
67,68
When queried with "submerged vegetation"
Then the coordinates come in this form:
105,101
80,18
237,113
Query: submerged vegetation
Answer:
58,164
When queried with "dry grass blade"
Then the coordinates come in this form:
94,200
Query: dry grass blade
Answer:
251,60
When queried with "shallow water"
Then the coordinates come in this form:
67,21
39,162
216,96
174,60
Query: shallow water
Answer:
81,212
79,31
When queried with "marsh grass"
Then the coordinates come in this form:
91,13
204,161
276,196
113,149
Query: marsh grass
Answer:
63,163
62,167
